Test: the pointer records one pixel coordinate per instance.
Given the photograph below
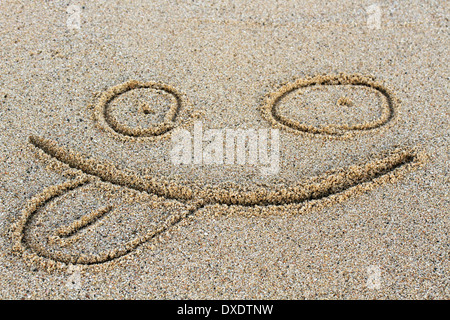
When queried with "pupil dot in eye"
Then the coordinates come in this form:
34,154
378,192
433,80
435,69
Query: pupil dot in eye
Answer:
146,109
345,101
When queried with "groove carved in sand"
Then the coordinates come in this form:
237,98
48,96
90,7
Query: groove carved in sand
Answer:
110,123
389,108
331,187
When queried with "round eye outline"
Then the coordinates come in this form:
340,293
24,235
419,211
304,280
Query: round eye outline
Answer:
111,124
388,115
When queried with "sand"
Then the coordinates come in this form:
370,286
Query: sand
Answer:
92,206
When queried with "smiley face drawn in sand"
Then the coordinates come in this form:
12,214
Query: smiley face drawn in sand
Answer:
64,224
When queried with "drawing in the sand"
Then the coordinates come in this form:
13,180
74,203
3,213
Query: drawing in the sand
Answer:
53,243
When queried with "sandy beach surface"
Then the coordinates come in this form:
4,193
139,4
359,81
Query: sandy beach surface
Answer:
355,206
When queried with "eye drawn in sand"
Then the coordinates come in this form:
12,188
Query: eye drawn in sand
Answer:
387,115
102,194
139,109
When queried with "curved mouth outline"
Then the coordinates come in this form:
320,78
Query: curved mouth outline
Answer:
331,187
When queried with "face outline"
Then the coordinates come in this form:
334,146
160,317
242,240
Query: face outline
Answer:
331,187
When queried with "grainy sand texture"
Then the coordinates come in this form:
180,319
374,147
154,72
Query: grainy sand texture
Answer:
340,189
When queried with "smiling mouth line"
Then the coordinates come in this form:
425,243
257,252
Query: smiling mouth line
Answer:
326,185
329,188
